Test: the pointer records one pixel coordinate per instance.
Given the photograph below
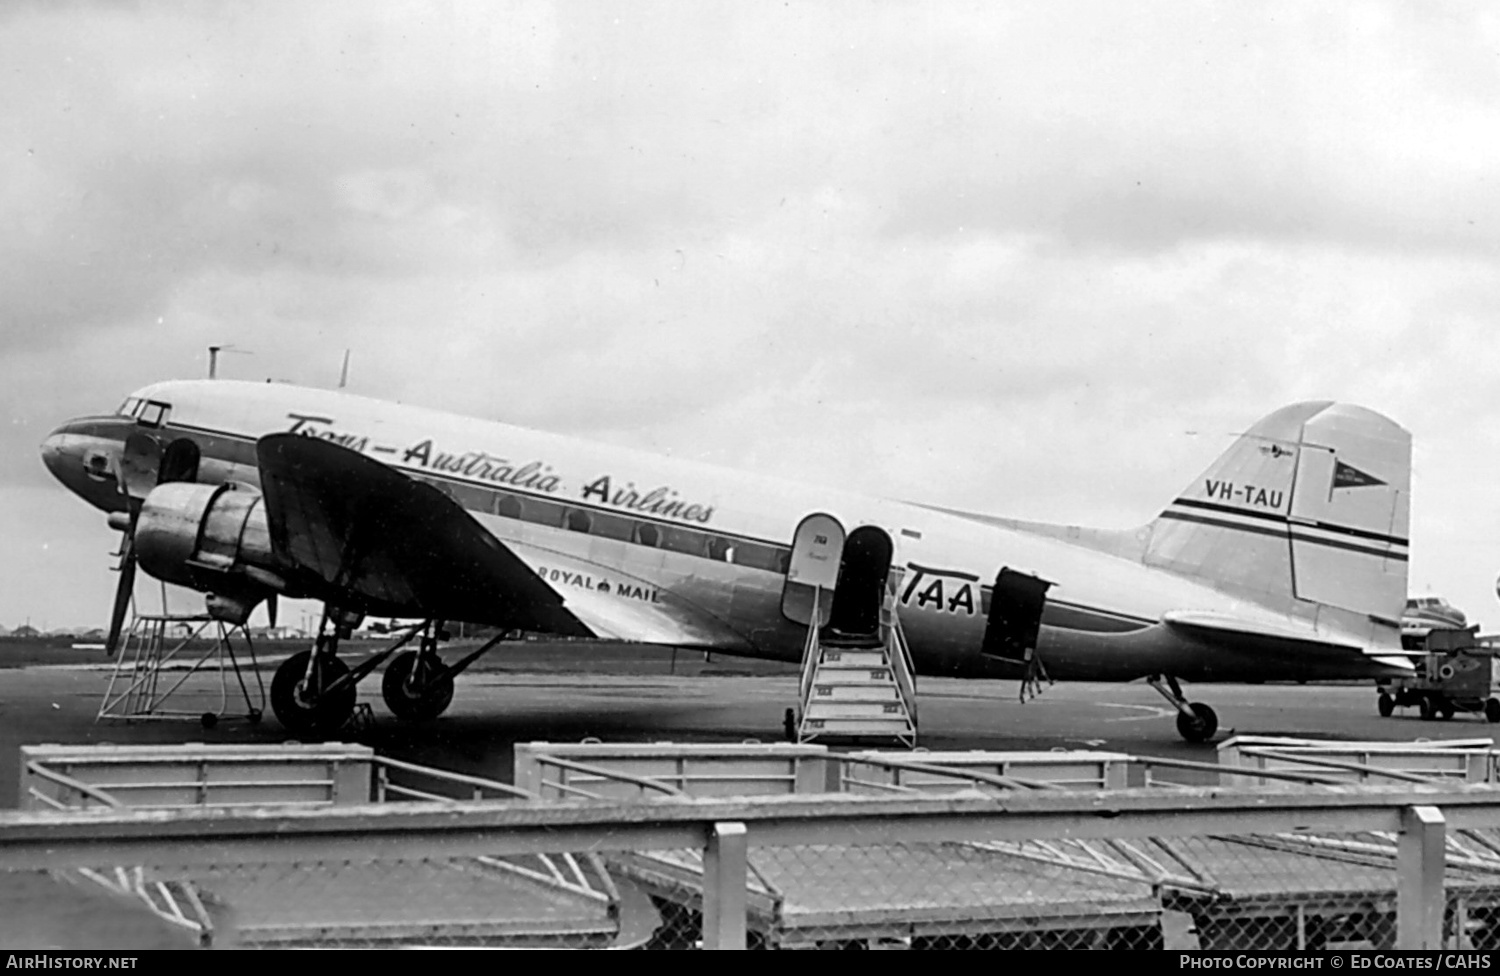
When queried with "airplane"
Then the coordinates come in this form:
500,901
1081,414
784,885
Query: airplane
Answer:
1424,614
1285,560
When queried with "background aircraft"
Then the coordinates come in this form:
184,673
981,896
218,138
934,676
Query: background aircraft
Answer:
1286,559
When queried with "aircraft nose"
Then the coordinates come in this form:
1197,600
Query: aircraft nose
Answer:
54,452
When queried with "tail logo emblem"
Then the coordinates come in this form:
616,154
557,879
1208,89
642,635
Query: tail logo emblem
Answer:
1348,476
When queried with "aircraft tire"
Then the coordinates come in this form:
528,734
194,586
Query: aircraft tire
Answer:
1385,705
1201,727
323,717
1446,708
1427,710
428,703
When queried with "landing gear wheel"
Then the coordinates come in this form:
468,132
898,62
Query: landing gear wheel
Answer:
426,700
1445,709
315,714
1426,709
1385,705
1201,727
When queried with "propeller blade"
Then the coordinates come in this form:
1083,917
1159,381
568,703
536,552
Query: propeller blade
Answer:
123,593
271,609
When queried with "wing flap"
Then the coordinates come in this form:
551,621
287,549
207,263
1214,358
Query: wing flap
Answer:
374,539
669,622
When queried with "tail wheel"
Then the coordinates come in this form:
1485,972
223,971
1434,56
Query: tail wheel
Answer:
1385,705
308,710
418,697
1201,727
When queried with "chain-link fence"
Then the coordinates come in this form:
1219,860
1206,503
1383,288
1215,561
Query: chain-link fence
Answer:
1191,869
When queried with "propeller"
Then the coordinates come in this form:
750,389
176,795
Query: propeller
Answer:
140,461
124,589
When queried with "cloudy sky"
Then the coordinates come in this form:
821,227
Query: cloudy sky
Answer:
1039,259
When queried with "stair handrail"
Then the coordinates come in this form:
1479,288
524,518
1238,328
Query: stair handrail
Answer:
906,678
810,652
900,658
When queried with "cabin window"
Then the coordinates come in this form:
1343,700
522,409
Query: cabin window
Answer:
647,535
508,506
613,527
719,549
757,557
576,521
472,499
539,512
682,540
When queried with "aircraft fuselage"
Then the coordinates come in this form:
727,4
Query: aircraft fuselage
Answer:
703,551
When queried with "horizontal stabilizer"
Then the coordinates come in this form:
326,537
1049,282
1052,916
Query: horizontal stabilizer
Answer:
1226,625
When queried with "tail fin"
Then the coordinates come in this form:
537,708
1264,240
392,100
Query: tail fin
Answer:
1308,508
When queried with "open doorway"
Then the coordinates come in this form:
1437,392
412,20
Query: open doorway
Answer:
863,571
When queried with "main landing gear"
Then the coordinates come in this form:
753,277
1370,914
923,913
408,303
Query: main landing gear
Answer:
313,693
1196,722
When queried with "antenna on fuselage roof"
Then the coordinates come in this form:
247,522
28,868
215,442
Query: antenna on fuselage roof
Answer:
213,357
344,373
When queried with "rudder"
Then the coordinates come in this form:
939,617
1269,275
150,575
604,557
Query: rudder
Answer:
1308,508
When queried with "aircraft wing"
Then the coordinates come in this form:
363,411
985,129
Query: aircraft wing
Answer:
671,622
1252,632
371,538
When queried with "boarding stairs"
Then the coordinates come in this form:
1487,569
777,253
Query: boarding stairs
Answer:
858,688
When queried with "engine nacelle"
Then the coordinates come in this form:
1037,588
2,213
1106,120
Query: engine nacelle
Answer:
212,538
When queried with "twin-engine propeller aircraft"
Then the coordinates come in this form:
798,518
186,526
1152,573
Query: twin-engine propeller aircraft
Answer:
1285,560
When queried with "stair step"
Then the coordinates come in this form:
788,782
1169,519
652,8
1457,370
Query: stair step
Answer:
853,676
854,659
866,692
879,711
831,727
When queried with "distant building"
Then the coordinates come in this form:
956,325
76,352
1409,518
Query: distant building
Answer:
277,633
26,630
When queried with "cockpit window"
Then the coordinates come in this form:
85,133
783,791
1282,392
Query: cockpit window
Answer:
130,407
152,413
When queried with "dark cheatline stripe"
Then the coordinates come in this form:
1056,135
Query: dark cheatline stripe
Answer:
1278,533
1230,509
1283,520
1360,533
1282,533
